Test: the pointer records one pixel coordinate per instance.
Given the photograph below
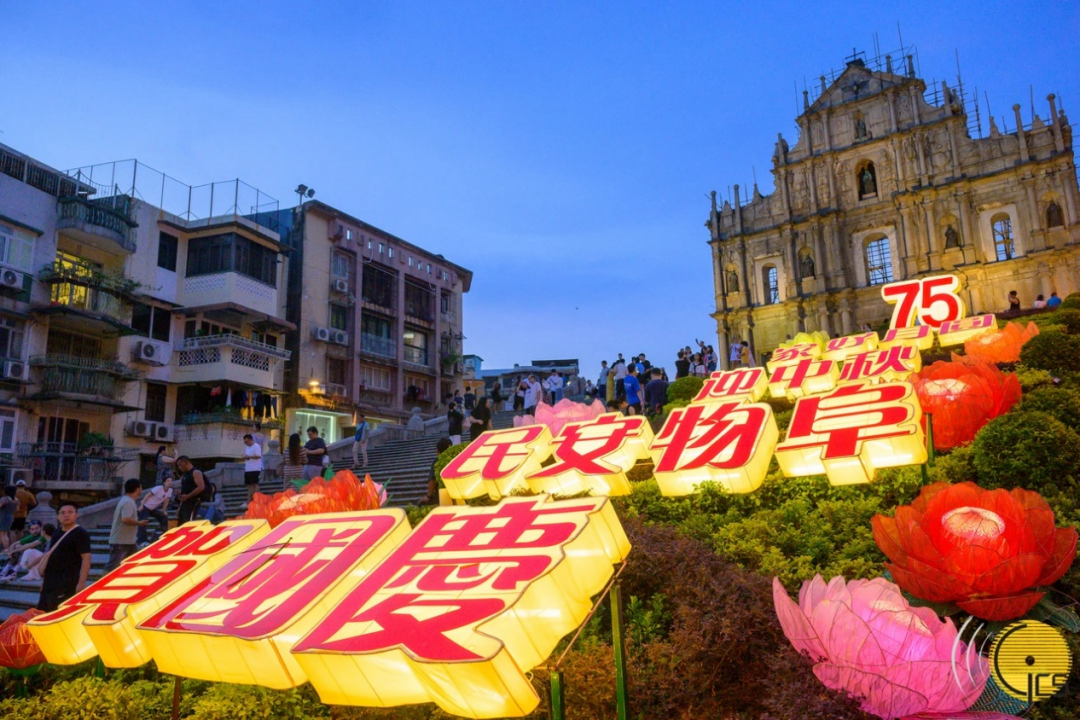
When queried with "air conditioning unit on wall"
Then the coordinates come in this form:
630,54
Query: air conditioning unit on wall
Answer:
151,353
318,333
340,286
14,370
141,428
11,278
336,390
339,336
164,433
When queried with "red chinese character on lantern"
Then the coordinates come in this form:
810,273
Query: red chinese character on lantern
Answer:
960,331
594,456
805,377
261,601
853,430
930,301
744,383
841,348
790,355
892,365
497,462
101,619
729,443
417,616
921,336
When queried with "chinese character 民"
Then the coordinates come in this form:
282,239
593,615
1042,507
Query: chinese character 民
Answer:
497,462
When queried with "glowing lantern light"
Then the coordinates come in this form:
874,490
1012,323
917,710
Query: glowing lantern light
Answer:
806,377
728,443
893,365
475,598
343,493
813,338
985,550
899,661
839,349
558,415
957,332
962,397
1000,346
18,649
852,431
102,619
594,456
792,355
921,336
497,462
742,384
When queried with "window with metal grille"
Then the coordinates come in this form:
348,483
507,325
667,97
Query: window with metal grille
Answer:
339,265
337,371
166,254
339,317
155,402
771,278
1001,224
879,261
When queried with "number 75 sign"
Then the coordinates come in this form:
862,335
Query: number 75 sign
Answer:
929,301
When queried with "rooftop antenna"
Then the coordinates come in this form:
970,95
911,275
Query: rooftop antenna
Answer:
989,112
978,117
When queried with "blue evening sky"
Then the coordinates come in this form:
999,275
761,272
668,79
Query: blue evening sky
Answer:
562,151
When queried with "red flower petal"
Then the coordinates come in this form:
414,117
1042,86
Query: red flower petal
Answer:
1062,557
928,583
1002,608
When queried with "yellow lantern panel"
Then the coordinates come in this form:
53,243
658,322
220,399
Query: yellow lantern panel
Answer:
921,336
240,624
743,384
594,456
102,618
806,377
960,331
472,600
839,349
497,462
893,365
728,443
792,355
849,433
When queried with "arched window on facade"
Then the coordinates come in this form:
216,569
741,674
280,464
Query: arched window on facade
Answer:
879,261
1001,226
770,279
1054,216
866,180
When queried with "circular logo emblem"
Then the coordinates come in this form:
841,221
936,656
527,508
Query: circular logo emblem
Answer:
1030,660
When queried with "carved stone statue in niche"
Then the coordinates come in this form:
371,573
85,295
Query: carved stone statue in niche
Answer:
903,110
1054,216
939,151
806,264
867,182
911,153
732,280
860,127
952,238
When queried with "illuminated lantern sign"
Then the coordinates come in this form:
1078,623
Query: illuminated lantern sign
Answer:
930,301
455,612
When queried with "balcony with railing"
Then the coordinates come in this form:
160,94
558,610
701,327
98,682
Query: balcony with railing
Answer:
68,272
229,288
91,385
97,365
417,359
419,304
216,434
74,466
104,223
377,345
227,358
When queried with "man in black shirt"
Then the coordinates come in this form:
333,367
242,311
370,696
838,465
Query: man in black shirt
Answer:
315,453
67,562
192,485
454,420
655,393
682,365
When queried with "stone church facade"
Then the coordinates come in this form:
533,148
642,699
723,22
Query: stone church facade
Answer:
882,186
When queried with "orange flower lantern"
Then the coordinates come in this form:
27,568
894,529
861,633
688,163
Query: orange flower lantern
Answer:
18,649
1000,346
962,397
345,492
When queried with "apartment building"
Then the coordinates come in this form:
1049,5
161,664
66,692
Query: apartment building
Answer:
135,311
378,321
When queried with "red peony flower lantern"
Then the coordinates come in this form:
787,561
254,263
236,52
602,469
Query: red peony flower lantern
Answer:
18,649
962,397
1000,346
345,492
985,550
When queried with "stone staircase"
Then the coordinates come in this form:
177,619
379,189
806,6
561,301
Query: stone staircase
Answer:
402,466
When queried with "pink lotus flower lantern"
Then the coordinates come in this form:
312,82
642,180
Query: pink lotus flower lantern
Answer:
899,661
563,412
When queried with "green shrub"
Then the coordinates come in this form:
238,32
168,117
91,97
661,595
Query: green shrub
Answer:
1052,352
247,702
674,405
956,467
444,459
1071,302
1070,318
684,388
1060,403
1029,450
1030,378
